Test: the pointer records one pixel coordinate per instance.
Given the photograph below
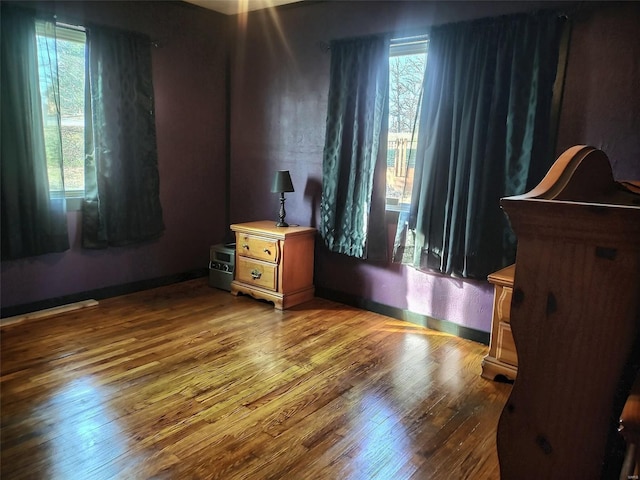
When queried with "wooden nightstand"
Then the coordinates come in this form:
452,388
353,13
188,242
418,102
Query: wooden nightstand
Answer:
502,358
274,263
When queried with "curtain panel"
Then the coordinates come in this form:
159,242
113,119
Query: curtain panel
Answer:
122,202
33,221
354,159
484,134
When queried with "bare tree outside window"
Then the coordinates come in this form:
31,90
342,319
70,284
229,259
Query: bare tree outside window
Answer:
407,63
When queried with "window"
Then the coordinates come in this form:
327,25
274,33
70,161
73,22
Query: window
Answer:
69,44
407,61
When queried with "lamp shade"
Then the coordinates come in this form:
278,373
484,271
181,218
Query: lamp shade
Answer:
282,182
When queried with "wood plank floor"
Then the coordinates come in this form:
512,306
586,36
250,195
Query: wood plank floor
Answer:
189,382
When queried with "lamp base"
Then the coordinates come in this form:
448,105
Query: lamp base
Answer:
282,213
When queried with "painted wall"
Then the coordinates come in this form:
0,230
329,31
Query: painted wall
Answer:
601,104
278,96
280,85
189,82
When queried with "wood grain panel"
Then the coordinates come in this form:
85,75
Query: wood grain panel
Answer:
258,248
575,318
257,273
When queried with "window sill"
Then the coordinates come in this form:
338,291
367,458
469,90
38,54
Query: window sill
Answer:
73,199
74,204
398,207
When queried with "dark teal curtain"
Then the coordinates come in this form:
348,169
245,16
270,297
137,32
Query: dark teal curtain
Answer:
34,221
122,203
354,162
484,134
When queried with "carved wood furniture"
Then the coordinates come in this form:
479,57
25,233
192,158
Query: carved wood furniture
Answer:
274,263
501,359
575,318
630,430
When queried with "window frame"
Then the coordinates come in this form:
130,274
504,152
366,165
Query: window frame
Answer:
78,34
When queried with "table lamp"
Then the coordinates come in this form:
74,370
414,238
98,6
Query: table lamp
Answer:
282,183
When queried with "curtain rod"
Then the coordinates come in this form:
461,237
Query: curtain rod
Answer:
418,32
325,46
74,22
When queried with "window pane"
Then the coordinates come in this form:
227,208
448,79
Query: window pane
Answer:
69,45
406,71
71,71
47,75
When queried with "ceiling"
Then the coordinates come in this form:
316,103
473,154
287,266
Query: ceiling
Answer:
233,7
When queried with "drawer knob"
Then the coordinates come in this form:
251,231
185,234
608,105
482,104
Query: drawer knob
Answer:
256,274
267,251
245,246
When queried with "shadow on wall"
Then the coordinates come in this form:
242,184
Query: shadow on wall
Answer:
313,194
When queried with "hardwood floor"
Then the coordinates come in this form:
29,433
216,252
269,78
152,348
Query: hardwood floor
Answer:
190,382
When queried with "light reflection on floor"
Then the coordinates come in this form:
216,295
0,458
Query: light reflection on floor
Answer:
383,442
449,371
86,436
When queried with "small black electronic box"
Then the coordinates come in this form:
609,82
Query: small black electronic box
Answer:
222,259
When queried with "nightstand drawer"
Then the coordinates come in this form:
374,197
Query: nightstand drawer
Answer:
257,247
257,273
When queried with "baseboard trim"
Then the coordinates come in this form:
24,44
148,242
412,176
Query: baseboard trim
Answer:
13,314
407,315
98,294
48,312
